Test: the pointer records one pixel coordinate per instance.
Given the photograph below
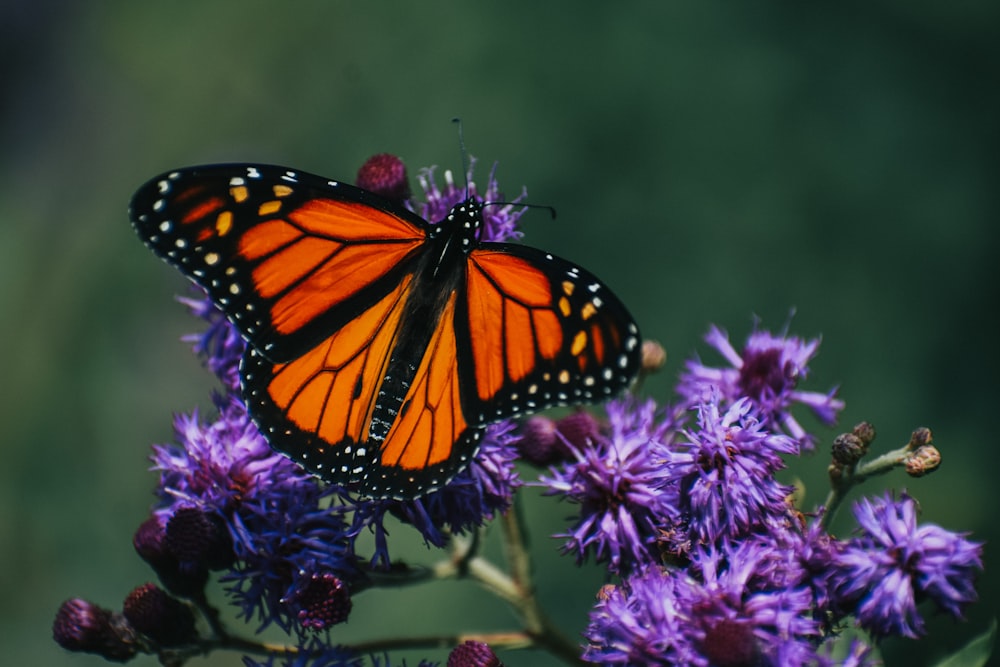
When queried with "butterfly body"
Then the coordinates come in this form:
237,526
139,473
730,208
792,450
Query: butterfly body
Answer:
380,346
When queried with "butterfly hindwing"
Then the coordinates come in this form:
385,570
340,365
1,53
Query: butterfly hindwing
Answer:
431,437
317,408
337,409
287,255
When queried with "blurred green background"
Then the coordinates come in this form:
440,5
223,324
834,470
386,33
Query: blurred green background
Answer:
711,161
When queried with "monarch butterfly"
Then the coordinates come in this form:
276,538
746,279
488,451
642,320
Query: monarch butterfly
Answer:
380,345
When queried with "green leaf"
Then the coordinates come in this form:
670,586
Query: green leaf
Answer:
975,653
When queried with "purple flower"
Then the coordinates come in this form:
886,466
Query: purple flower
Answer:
725,472
499,219
661,616
622,486
645,621
736,593
283,534
882,574
290,549
767,372
221,464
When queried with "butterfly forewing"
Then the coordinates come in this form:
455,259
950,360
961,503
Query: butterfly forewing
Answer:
542,332
288,256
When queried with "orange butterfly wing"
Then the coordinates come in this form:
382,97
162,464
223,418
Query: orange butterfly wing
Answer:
288,256
542,332
324,408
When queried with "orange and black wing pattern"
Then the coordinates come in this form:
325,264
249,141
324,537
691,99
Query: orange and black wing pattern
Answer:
541,331
360,411
288,256
380,346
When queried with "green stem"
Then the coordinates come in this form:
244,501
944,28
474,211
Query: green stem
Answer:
851,477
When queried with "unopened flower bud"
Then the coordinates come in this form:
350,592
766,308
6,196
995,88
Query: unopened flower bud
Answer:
385,175
848,449
162,618
199,539
865,431
322,600
923,461
920,437
538,442
150,542
473,654
653,356
578,429
84,627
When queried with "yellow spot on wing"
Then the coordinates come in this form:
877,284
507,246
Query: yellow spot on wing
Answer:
269,207
588,310
239,193
223,223
567,288
579,342
564,306
281,190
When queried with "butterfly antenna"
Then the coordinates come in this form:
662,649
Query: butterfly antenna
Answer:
465,171
465,153
550,209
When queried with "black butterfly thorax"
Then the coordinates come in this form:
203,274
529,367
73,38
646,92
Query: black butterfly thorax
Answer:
439,273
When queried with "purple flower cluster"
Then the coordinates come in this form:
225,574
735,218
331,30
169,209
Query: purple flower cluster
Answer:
714,564
881,574
767,373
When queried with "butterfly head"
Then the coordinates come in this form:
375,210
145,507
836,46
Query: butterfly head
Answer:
463,222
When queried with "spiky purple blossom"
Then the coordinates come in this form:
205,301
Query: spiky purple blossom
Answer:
768,373
724,471
882,574
717,617
622,487
499,221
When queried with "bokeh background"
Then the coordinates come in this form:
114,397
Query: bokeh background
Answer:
712,161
